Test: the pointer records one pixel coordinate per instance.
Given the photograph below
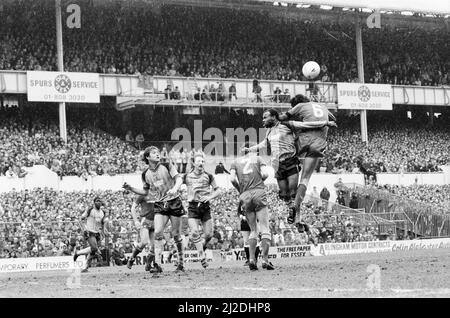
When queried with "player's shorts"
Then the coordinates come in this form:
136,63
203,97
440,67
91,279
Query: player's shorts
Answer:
88,235
311,146
150,213
245,226
287,168
173,207
253,200
148,224
199,210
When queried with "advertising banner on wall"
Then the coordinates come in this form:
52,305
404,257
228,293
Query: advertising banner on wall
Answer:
63,87
359,96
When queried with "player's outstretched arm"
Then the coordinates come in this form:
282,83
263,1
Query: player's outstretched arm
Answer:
128,187
176,187
257,147
85,214
283,116
308,125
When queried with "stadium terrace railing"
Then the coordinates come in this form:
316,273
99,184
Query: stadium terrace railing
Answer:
425,220
150,90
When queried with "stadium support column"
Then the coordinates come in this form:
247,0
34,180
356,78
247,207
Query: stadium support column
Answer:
360,63
59,48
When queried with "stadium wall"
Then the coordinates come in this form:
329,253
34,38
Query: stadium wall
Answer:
11,265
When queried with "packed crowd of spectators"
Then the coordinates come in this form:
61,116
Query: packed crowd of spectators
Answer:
45,222
430,194
395,145
30,136
117,37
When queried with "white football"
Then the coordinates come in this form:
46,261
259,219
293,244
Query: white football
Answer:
311,70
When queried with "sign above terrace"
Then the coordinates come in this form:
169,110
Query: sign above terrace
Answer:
150,90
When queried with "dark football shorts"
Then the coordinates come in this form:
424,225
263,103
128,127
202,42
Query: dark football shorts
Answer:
88,235
170,208
149,214
287,168
244,226
253,200
311,146
199,210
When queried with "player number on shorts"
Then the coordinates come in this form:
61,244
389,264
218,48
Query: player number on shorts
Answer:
317,109
247,169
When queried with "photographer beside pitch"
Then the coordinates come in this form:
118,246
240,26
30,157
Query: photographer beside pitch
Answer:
162,182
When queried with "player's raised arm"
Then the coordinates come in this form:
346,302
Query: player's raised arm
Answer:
128,187
261,145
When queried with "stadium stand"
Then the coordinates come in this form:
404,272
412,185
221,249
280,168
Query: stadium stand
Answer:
44,222
220,42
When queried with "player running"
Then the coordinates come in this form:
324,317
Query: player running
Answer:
247,177
311,144
281,140
199,184
146,229
162,182
96,224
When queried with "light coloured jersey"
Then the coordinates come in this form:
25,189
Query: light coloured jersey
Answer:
280,139
94,220
199,186
248,172
160,180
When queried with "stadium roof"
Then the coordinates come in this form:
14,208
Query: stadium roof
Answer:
441,7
